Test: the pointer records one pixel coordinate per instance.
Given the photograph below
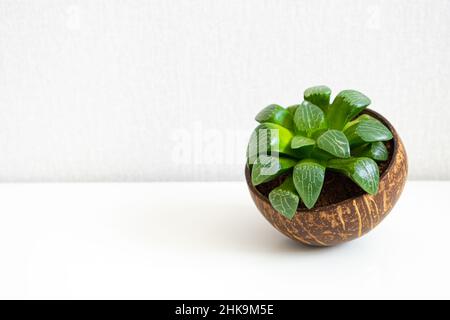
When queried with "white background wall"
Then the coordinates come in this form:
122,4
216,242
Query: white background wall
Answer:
113,90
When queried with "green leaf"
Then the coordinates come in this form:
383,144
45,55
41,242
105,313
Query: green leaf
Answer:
378,151
301,141
309,118
373,130
351,126
357,120
350,132
292,109
334,142
275,114
267,168
366,129
375,150
346,105
320,155
308,180
319,95
269,139
363,171
285,199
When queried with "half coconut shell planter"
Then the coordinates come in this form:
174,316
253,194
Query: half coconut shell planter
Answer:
324,173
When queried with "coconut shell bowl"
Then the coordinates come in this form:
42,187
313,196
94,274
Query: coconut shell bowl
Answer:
346,219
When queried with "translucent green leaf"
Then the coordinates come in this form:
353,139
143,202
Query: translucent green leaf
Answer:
375,150
285,199
292,109
308,180
319,95
366,129
373,130
320,155
363,171
357,120
346,105
334,142
275,114
267,168
301,141
269,139
378,151
309,118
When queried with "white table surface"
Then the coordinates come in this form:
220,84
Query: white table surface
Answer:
208,241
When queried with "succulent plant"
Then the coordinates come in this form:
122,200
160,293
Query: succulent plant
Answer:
304,141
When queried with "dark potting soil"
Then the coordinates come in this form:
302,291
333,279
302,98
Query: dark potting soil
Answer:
336,187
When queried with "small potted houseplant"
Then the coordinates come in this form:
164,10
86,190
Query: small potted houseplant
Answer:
324,173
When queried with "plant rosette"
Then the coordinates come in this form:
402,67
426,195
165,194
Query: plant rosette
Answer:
325,173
